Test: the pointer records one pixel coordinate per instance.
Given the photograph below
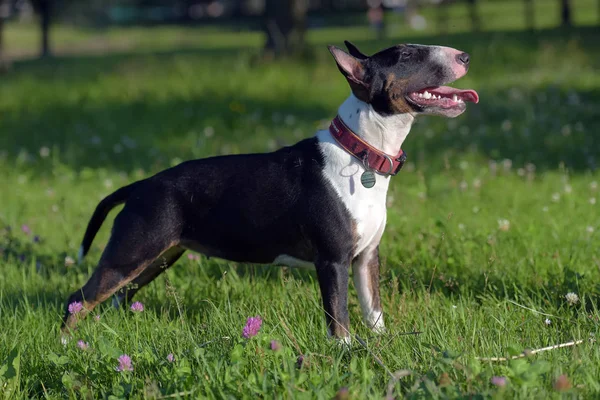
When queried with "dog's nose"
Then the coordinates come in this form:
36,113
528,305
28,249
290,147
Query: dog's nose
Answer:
463,58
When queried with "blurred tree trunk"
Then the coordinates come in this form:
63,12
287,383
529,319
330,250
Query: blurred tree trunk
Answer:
285,26
475,22
566,12
529,15
2,62
44,9
3,14
442,18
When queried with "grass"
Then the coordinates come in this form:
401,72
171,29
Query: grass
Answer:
490,225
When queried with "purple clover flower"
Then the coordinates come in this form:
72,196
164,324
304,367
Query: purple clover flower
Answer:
499,381
275,345
124,363
26,229
83,345
170,357
75,307
137,307
252,327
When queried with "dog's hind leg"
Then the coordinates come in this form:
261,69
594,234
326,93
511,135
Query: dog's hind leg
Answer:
135,244
161,264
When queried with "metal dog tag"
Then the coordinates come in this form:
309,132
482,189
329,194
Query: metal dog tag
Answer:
368,179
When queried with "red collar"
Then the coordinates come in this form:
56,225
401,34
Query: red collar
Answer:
377,161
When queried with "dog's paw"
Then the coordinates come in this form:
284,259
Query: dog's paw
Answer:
344,342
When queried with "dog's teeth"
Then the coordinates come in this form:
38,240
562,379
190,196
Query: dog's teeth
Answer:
460,101
427,95
421,95
454,98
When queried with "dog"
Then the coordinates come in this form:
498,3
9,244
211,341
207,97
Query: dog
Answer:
318,203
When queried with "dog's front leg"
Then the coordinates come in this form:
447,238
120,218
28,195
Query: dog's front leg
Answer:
365,272
333,279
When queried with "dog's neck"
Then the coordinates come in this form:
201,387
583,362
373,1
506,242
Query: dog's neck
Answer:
385,133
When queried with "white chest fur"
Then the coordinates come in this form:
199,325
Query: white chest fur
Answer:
366,206
386,133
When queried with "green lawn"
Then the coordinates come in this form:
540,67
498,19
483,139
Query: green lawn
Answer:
494,220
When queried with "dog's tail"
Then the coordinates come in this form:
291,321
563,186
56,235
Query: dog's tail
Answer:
108,203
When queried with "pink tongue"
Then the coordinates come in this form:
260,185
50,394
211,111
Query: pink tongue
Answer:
447,91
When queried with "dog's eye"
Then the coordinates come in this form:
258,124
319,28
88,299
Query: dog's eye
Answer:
406,55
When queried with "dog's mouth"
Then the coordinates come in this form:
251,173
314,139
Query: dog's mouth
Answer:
443,100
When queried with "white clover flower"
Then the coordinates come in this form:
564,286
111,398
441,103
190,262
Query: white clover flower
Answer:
503,224
592,200
290,119
568,189
44,152
547,321
594,185
590,229
572,298
555,197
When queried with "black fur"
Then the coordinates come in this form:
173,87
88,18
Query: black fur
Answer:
247,208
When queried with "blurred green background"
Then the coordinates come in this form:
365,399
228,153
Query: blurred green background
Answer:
495,208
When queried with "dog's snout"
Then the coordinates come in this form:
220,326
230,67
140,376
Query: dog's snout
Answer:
463,58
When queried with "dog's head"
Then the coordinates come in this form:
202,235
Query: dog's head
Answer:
407,78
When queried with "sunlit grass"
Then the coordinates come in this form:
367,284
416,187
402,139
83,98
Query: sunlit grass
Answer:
492,222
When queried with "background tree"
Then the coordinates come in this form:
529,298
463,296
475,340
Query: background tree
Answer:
4,14
43,9
529,15
285,26
566,12
442,17
475,22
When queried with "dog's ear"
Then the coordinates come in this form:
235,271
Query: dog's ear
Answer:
354,51
354,70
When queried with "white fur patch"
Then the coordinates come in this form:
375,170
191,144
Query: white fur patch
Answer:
345,341
293,262
375,321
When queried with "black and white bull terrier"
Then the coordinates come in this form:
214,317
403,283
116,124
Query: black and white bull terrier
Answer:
320,202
